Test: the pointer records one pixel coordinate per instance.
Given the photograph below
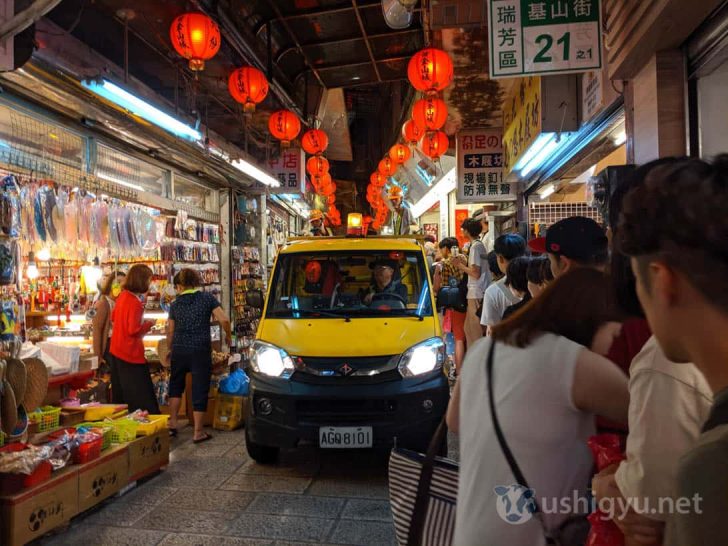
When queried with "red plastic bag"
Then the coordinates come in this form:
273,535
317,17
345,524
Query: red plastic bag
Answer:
607,450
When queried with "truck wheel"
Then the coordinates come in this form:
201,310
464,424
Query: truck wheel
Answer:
260,453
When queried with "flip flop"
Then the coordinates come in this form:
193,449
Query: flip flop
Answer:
203,439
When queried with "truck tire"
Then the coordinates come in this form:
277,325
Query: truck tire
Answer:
259,453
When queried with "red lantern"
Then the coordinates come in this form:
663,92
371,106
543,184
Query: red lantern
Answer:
434,144
314,141
317,166
430,70
430,113
195,37
400,154
248,86
377,180
285,126
319,182
387,167
412,132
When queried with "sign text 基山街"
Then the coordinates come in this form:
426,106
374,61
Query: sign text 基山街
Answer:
289,169
480,167
544,37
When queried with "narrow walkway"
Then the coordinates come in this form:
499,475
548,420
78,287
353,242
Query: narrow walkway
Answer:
212,494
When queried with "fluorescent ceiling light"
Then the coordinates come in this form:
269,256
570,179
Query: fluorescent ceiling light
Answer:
546,191
538,158
446,184
256,173
620,138
119,181
542,140
143,109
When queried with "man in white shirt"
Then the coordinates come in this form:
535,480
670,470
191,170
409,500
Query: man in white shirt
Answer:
498,296
478,278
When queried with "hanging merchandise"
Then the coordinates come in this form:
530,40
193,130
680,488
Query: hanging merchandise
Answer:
430,113
195,37
248,86
430,70
285,126
314,141
434,144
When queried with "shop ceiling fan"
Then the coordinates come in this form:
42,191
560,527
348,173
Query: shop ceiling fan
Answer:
398,13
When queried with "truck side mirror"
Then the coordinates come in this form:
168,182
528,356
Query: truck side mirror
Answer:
254,298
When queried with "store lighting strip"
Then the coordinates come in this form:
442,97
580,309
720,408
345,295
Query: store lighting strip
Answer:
446,184
143,109
256,173
119,181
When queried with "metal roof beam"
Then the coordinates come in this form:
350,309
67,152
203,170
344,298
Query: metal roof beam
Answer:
366,40
312,13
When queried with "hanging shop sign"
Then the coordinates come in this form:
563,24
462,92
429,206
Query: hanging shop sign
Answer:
431,229
521,120
530,37
480,167
289,169
592,96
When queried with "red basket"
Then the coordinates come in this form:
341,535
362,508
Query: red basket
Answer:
13,483
88,452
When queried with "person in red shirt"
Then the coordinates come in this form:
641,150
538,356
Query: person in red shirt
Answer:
134,383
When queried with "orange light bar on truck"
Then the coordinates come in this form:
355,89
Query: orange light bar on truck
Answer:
354,224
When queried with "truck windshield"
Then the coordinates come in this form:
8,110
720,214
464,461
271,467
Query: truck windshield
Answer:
348,284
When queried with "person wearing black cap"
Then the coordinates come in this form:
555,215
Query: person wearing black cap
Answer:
384,283
576,241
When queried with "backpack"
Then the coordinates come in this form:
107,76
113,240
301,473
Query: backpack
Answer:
454,295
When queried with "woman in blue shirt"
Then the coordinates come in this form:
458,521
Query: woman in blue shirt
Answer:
188,337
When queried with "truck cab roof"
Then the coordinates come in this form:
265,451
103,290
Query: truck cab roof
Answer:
333,244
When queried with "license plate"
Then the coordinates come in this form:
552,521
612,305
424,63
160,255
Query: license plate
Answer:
345,437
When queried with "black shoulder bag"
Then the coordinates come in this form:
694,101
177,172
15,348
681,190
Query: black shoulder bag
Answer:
574,531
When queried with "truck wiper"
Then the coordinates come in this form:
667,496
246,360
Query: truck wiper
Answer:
317,312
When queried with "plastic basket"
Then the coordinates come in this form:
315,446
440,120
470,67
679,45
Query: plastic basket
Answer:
123,430
2,439
107,430
155,424
88,452
98,413
12,483
47,418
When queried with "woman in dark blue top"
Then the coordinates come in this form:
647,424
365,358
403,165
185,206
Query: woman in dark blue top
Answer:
188,338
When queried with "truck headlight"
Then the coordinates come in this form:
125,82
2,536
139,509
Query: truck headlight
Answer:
270,360
423,358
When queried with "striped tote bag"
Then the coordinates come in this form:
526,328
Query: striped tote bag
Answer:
423,491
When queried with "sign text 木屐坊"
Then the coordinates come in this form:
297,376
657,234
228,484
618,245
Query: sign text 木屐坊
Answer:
480,167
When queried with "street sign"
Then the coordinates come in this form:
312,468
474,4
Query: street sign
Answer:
480,167
289,169
530,37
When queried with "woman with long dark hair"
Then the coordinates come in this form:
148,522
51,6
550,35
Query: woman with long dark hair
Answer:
548,382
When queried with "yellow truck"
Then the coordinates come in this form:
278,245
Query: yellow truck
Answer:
349,352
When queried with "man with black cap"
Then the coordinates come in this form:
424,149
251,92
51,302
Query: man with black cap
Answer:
384,282
576,241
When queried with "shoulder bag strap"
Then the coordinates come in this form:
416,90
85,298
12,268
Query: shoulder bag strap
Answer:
507,453
419,512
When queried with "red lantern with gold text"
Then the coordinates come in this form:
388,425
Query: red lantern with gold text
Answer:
434,144
387,167
317,165
315,141
412,133
430,113
195,37
319,182
430,70
248,86
328,189
377,180
285,126
400,154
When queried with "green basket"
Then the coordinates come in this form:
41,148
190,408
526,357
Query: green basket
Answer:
47,418
108,431
2,439
123,430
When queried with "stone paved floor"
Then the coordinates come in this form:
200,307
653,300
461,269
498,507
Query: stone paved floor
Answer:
212,494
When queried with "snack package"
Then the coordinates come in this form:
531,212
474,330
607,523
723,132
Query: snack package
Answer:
606,450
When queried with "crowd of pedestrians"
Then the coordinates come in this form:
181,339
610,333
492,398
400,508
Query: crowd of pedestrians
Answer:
615,329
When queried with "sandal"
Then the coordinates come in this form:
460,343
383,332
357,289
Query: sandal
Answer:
203,439
172,432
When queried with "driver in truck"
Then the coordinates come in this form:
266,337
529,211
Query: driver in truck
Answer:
384,282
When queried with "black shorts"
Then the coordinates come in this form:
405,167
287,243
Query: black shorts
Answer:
199,364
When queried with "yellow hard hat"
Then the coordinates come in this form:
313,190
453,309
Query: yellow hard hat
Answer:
395,192
316,215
